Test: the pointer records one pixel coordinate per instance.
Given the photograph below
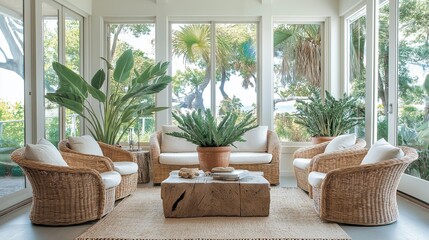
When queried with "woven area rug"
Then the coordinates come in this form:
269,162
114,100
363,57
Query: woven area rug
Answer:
140,217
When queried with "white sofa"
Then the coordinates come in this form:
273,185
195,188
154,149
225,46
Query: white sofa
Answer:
260,152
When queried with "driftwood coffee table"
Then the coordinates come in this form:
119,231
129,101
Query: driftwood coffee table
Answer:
203,196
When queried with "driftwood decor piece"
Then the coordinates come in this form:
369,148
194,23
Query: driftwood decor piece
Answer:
204,196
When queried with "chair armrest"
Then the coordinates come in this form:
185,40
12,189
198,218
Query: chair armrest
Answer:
64,183
155,148
80,160
117,154
329,161
348,189
274,147
310,151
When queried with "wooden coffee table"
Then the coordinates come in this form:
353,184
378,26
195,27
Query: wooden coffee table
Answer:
203,196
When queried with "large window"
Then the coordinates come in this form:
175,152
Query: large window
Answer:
214,65
12,131
297,68
356,73
141,38
413,82
62,42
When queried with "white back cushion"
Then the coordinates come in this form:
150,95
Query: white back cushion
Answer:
256,141
44,152
85,144
340,143
381,151
175,144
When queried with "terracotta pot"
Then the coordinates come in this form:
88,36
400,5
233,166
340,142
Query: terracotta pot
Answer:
210,157
317,140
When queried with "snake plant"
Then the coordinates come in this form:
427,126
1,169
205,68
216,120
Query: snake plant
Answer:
201,128
116,110
327,117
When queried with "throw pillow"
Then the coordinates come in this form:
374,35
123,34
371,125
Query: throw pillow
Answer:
340,143
44,152
86,145
381,151
256,141
170,144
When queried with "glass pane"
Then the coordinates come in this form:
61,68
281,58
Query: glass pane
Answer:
141,38
413,88
357,68
297,68
73,55
50,54
383,70
236,67
191,69
12,129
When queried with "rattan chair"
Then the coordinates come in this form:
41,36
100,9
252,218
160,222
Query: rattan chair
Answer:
361,194
314,153
105,163
65,195
270,170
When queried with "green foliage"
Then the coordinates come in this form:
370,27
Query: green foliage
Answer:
201,128
288,130
120,107
330,117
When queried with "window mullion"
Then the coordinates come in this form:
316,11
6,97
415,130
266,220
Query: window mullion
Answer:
213,67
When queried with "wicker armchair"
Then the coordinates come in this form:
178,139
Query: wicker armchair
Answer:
104,163
360,194
314,153
270,170
56,190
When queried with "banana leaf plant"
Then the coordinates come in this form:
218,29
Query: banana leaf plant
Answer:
121,105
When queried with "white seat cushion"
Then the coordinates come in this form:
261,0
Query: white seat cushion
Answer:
184,158
171,144
340,143
110,179
256,141
85,144
191,158
382,151
301,163
44,152
125,168
249,158
315,179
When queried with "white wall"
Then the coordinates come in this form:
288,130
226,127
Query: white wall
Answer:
83,7
347,5
263,10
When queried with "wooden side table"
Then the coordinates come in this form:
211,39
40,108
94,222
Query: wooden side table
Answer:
143,161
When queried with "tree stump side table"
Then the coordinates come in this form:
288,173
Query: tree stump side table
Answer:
203,196
143,161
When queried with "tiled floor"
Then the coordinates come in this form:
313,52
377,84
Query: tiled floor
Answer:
412,225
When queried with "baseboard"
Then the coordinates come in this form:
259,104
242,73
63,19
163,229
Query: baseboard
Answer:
16,206
413,199
286,174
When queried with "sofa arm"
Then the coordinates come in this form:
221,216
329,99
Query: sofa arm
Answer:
310,151
79,160
330,161
274,146
155,148
117,154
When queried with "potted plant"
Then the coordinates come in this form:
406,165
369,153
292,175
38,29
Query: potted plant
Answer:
327,118
213,139
121,105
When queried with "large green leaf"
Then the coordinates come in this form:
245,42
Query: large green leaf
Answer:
96,93
97,80
75,81
66,102
123,67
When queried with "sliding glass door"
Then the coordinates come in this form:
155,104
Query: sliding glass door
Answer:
413,92
12,127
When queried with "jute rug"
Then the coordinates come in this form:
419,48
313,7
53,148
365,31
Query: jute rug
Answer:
140,217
